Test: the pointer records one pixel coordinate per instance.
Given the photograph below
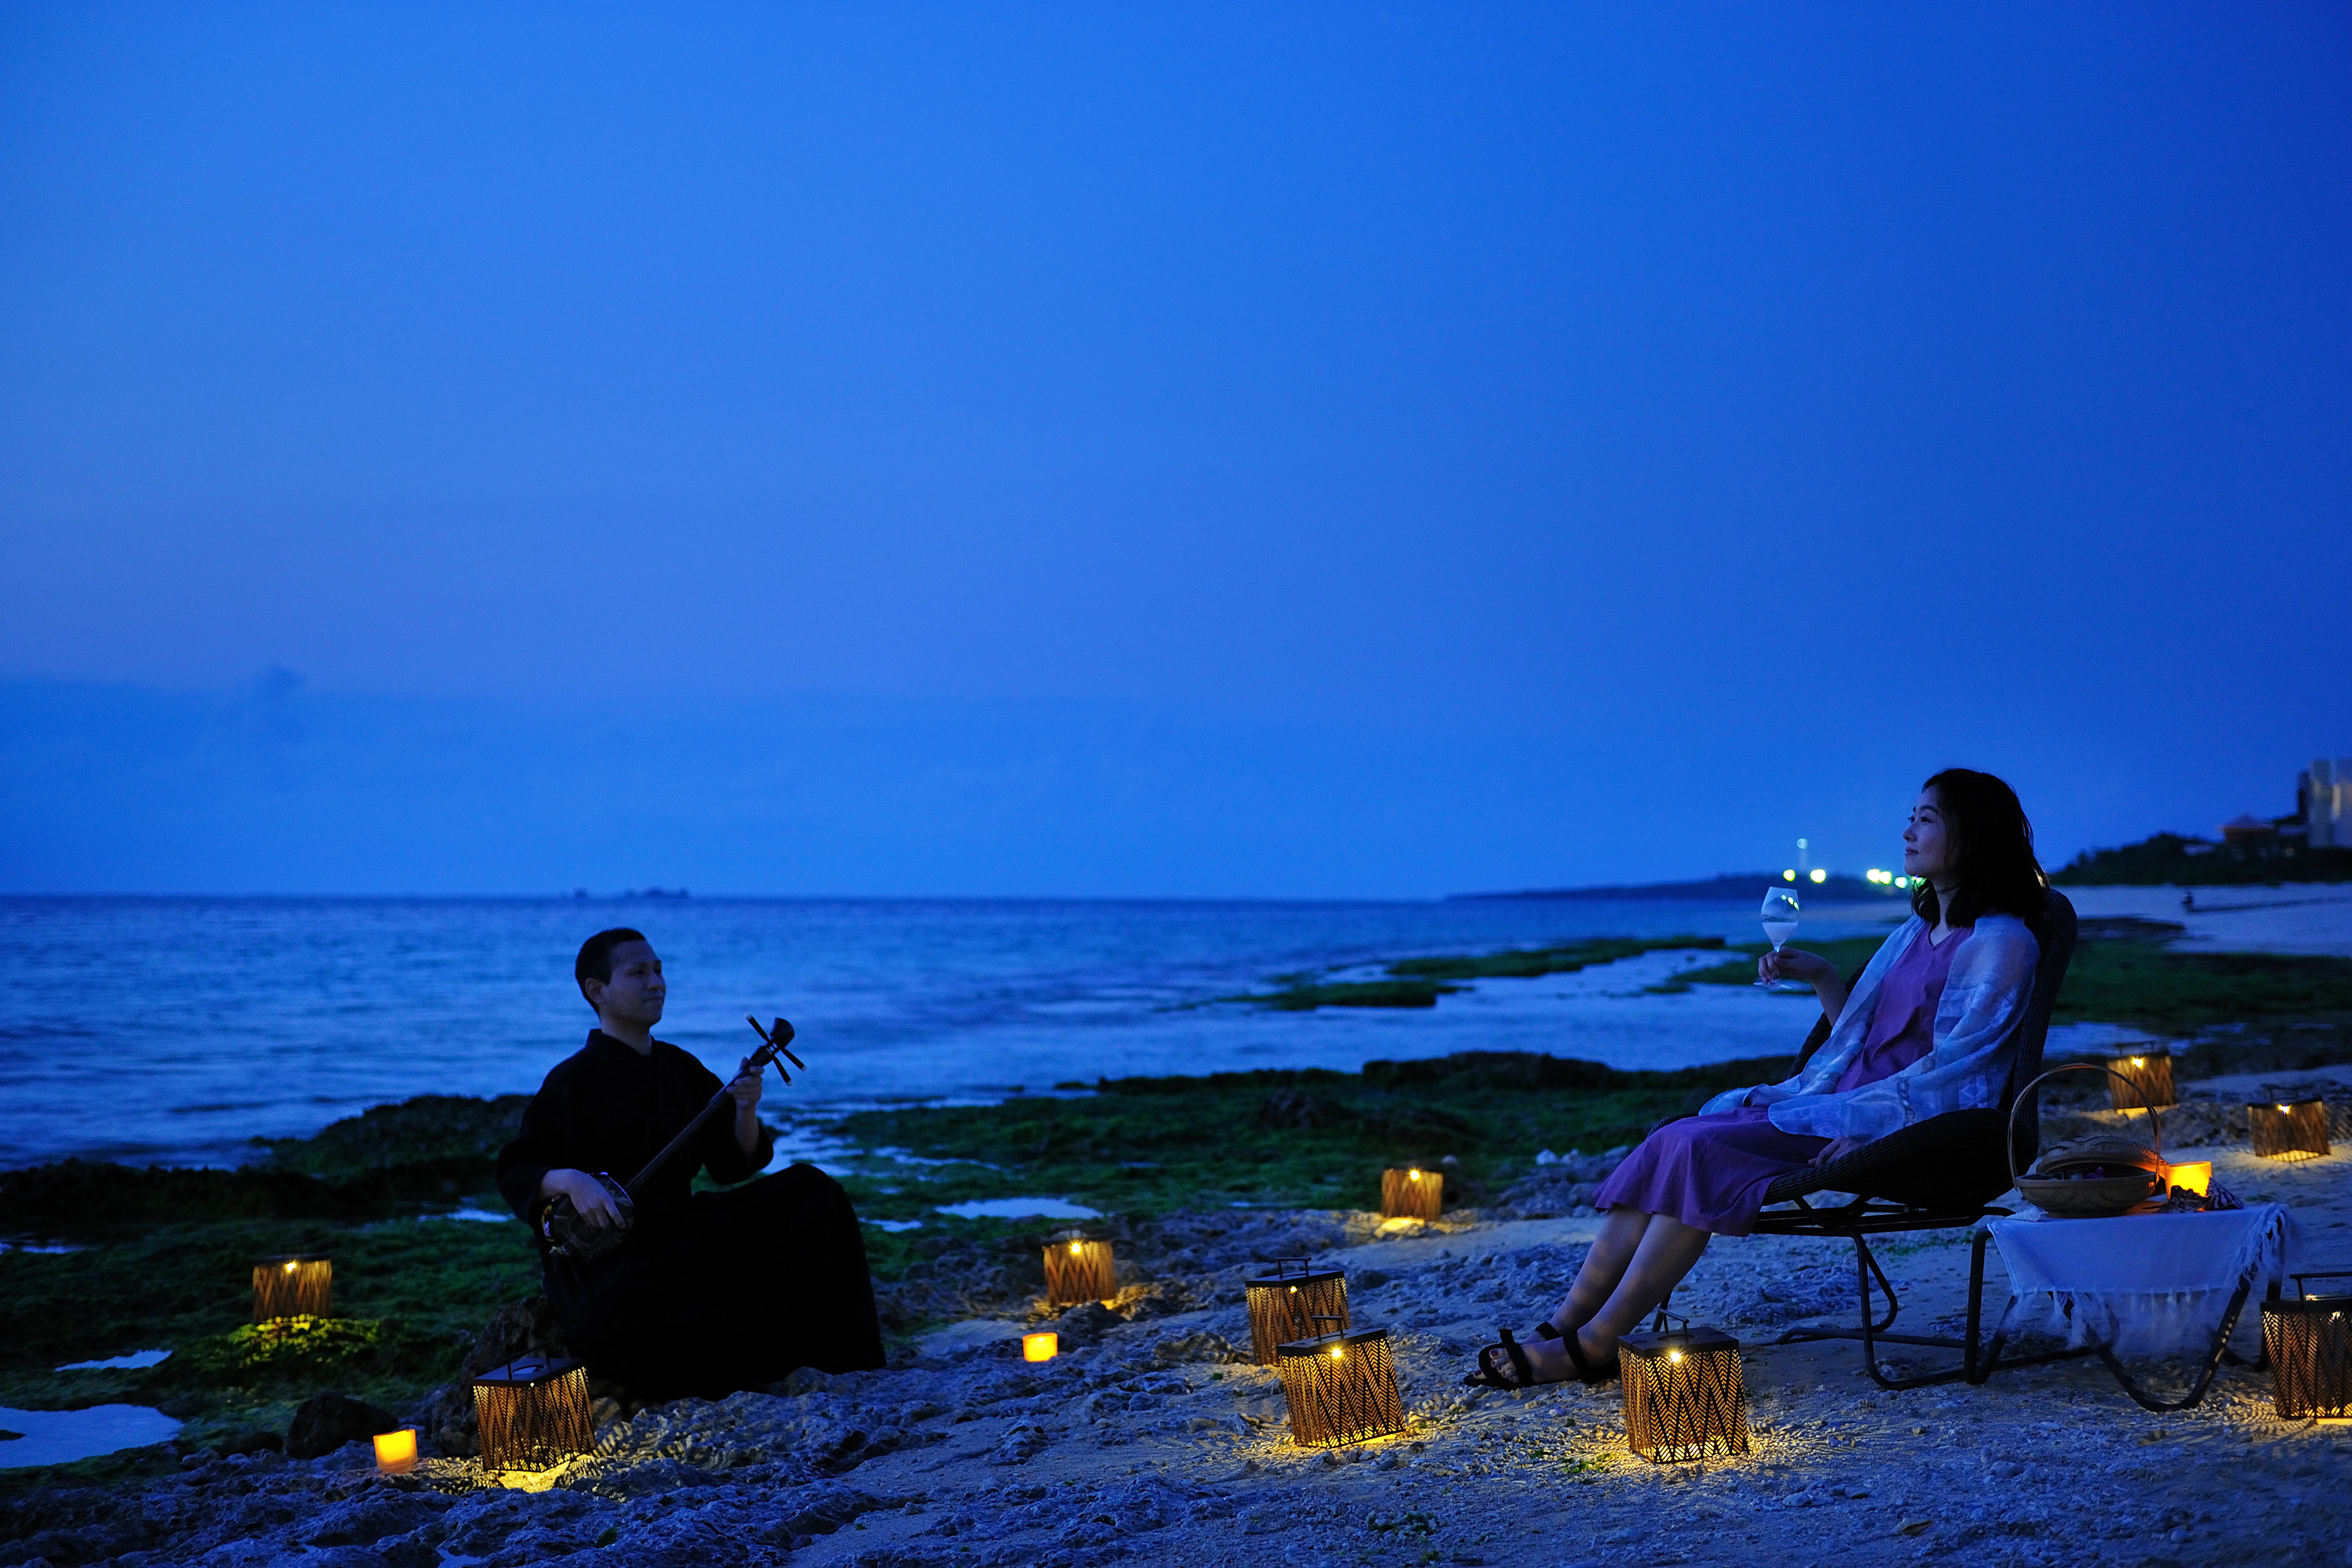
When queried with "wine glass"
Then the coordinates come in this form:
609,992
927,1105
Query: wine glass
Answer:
1779,918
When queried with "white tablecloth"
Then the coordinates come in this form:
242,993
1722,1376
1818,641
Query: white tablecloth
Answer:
2151,1284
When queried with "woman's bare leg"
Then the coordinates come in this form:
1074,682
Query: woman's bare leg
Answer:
1613,1252
1666,1252
1616,1250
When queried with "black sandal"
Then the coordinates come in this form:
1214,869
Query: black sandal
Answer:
1487,1377
1585,1371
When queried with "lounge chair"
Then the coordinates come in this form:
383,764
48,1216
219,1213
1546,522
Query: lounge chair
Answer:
1937,1175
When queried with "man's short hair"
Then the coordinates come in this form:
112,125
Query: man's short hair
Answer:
595,960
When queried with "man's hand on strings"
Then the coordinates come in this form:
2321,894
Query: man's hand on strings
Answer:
746,1090
586,1192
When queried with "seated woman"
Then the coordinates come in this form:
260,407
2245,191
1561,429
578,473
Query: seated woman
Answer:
1927,1030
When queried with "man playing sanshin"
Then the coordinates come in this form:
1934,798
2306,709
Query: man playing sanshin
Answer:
710,1292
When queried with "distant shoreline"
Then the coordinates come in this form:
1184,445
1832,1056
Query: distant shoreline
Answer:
1729,887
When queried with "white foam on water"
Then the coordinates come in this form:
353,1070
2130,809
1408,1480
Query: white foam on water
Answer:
135,1359
1020,1208
894,1224
60,1436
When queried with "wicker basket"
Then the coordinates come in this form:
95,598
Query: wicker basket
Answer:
2091,1197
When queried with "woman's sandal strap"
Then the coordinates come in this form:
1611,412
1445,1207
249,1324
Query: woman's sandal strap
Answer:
1486,1376
1585,1371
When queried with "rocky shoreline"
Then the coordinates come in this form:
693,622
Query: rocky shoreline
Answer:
1151,1436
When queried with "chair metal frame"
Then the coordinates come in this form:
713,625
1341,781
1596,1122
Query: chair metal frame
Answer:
1891,1172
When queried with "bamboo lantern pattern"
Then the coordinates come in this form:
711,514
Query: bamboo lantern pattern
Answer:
296,1287
2289,1130
1412,1194
2149,1072
533,1412
1341,1388
1683,1396
2309,1343
1284,1304
1078,1269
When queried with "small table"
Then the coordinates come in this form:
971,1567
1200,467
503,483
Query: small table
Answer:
2138,1284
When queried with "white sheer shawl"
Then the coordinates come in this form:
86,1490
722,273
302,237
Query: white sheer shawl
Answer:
1991,979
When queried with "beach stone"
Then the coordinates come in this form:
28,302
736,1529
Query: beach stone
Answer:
369,1518
1024,1443
1175,1350
328,1421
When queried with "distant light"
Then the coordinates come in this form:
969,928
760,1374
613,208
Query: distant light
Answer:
1789,876
1818,875
1902,881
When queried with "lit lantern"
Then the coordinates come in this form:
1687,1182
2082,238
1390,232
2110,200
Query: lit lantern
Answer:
2309,1343
533,1414
1413,1193
2197,1177
1341,1388
1041,1347
1078,1269
296,1287
2143,1080
1684,1398
395,1452
1284,1304
2289,1130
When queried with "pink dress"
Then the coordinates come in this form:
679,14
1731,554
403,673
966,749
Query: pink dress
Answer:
1710,1172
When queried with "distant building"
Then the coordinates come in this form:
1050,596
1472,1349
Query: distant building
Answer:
2323,794
2247,831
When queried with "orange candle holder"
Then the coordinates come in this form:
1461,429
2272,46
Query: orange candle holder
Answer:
1041,1347
2197,1177
396,1451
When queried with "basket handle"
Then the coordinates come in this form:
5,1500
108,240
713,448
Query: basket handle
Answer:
2154,1133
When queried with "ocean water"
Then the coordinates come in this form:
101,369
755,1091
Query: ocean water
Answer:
177,1030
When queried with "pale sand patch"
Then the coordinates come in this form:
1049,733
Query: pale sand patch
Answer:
2310,918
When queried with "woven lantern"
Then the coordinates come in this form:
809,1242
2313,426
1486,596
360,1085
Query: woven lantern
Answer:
2309,1343
1412,1194
2148,1070
300,1286
1078,1269
1684,1398
533,1412
1284,1304
1342,1387
2289,1130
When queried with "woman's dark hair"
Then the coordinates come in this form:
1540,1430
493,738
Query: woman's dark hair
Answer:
595,960
1994,862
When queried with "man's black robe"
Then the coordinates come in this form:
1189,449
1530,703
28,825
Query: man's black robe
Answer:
712,1291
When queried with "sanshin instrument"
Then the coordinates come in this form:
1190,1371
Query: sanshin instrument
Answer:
582,1239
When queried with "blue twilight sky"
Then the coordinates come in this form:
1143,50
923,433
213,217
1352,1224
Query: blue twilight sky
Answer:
1131,449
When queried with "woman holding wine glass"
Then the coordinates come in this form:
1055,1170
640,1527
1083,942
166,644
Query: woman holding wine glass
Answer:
1925,1030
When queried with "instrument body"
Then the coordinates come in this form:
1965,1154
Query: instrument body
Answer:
580,1238
572,1234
